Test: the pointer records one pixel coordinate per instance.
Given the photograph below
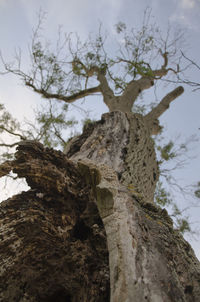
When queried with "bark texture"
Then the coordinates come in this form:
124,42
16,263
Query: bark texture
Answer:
121,141
149,261
53,244
88,205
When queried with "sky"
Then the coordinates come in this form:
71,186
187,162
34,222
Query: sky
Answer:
18,17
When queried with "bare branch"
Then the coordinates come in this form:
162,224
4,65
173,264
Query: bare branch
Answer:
67,99
12,132
191,61
9,145
164,104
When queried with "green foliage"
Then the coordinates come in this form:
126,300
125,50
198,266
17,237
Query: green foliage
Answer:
182,223
166,152
141,109
63,68
119,83
10,132
52,123
172,156
47,68
162,197
197,193
7,121
120,27
86,122
197,190
138,47
183,226
51,127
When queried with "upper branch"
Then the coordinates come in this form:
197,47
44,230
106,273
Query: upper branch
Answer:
148,76
101,77
134,88
105,88
164,104
67,99
163,71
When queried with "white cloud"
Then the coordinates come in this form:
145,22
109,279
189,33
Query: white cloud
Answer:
186,13
187,4
3,2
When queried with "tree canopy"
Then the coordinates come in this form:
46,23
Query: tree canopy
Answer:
70,69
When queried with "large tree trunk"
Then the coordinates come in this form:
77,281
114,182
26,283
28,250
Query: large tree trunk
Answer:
89,205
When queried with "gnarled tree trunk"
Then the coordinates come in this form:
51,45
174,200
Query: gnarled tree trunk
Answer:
90,205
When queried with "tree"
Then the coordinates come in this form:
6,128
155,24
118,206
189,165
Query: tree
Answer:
96,200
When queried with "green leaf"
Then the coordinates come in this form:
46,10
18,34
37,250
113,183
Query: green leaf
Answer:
120,27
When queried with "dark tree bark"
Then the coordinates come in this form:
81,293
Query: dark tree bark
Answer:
90,205
53,243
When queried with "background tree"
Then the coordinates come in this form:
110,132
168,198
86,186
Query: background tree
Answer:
112,166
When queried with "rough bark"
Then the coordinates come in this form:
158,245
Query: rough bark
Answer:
53,244
93,203
121,141
149,261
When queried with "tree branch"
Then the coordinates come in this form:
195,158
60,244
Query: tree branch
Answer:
67,99
13,133
191,61
164,104
105,88
9,145
163,70
134,88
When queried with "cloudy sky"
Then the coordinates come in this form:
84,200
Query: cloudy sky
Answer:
18,17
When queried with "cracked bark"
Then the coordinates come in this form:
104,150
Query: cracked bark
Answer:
52,235
57,237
